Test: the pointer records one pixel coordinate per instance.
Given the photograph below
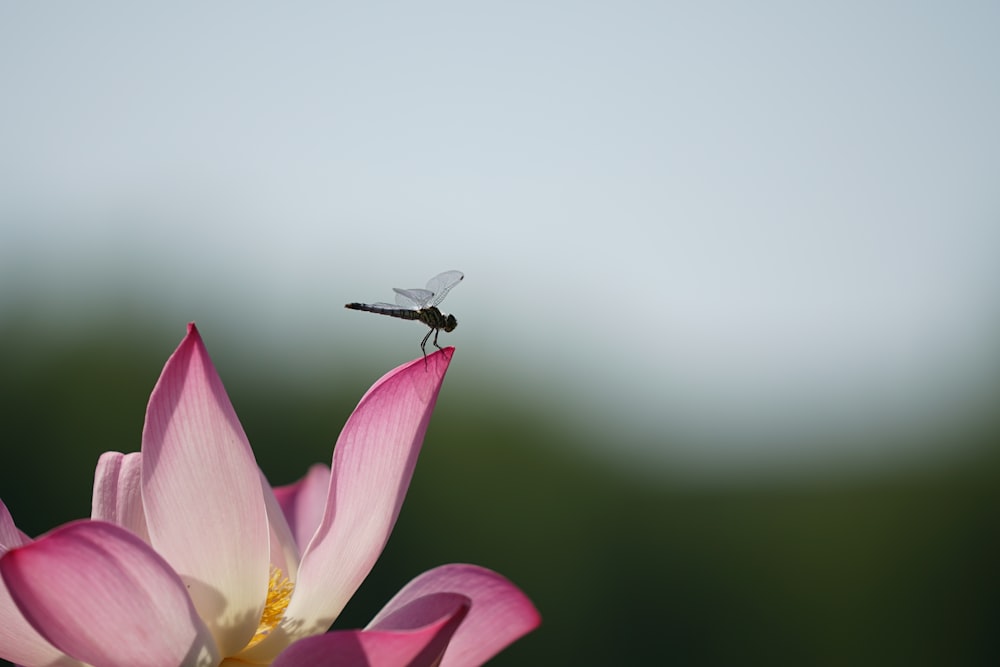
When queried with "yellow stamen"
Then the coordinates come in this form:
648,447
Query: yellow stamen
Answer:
279,594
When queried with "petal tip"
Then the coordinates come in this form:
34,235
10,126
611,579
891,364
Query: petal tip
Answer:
432,367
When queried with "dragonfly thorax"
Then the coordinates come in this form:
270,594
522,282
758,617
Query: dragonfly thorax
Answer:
435,319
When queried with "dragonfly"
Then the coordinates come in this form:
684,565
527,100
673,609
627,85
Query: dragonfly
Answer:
420,304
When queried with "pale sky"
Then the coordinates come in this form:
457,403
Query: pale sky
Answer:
720,218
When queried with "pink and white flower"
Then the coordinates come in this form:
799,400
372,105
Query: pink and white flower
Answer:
191,558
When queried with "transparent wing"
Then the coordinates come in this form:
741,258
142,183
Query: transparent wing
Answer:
441,284
412,298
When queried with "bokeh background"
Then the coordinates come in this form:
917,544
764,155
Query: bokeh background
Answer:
728,363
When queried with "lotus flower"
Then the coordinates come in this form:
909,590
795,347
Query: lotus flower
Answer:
191,558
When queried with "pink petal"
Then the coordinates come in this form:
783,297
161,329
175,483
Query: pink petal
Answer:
304,502
372,465
499,612
201,490
117,494
103,596
19,642
407,645
10,536
285,552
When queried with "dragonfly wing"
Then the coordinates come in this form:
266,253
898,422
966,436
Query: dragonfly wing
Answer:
441,284
412,298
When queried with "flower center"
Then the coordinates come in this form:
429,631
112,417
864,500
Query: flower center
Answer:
279,594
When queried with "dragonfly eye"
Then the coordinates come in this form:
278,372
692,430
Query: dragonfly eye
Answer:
450,323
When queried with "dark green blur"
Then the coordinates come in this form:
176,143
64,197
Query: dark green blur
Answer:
896,569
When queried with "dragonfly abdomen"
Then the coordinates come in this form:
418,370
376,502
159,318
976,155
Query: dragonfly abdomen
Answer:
401,313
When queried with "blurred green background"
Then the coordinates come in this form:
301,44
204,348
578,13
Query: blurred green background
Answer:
895,567
728,356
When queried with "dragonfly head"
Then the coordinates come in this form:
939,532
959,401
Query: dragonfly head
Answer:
450,323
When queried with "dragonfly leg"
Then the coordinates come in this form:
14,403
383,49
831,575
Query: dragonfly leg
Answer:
423,344
436,332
